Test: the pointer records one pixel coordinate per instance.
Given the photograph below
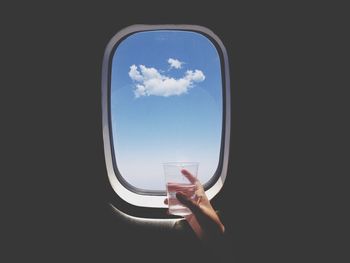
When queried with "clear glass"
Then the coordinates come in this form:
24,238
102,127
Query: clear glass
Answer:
166,104
177,182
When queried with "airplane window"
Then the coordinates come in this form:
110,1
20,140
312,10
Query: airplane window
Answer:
165,99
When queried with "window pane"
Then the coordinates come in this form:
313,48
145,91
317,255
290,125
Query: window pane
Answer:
166,105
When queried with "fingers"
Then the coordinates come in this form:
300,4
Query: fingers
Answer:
189,176
167,202
191,204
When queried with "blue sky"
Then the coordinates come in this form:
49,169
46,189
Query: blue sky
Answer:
166,102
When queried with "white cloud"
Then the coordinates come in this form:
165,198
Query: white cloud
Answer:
149,81
134,73
197,75
174,63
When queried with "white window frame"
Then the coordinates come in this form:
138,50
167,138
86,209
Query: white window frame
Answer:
149,199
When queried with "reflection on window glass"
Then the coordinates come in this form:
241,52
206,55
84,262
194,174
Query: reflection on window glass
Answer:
166,105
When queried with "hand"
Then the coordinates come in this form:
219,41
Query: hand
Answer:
204,221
